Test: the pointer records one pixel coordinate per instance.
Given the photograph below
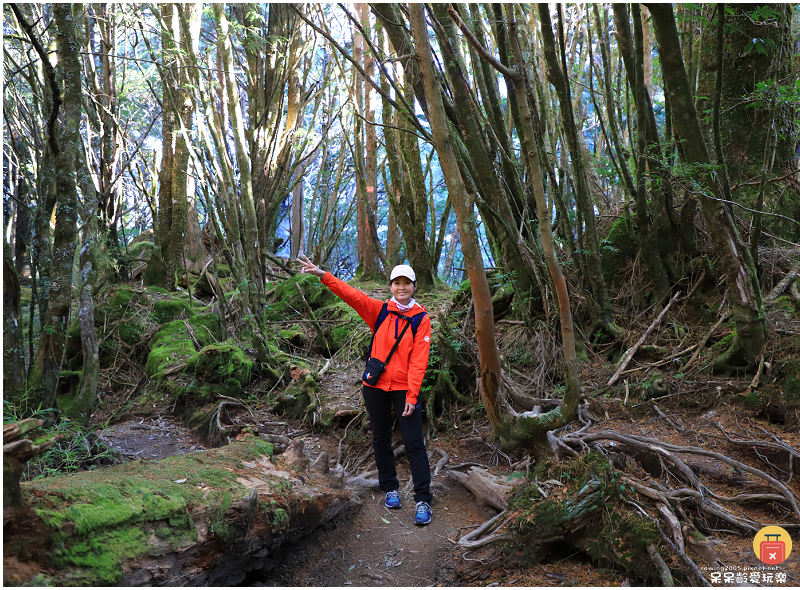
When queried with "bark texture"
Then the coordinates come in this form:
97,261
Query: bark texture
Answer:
50,354
740,275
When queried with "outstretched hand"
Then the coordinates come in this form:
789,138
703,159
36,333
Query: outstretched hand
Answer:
309,267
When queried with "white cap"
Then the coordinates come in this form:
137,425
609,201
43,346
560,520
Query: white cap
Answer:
403,270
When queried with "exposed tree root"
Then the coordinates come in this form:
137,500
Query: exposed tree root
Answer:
598,498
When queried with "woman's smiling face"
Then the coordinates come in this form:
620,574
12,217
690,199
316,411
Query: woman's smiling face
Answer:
402,289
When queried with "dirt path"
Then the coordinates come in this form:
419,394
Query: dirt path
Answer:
381,547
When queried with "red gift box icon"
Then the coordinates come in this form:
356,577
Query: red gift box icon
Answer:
772,552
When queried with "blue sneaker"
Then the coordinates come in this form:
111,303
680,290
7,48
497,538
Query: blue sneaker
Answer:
392,500
423,513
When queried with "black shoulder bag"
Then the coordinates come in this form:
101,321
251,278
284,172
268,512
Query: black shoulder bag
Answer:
375,366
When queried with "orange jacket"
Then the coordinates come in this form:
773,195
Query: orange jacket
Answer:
406,368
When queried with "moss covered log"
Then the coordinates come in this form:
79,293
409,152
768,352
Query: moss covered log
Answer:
199,519
592,512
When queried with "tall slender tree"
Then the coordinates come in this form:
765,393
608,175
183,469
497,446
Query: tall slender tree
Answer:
740,274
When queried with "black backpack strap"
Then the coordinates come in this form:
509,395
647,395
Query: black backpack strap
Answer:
384,312
399,338
416,321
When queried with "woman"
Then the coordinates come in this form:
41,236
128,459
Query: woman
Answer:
399,384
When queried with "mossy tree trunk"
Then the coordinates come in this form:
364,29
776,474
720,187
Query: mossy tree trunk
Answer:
648,153
89,273
252,247
516,429
365,156
111,201
757,54
735,260
173,175
47,366
394,186
409,200
13,351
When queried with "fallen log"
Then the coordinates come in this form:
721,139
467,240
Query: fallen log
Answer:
486,487
201,519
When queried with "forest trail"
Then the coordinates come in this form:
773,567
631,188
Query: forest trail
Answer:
382,547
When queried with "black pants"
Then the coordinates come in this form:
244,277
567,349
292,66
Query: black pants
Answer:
379,406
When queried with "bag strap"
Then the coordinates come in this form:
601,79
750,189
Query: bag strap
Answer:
413,321
384,312
399,338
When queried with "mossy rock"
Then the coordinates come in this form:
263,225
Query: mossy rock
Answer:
171,345
339,337
226,365
207,328
167,310
117,305
294,336
141,250
317,294
132,330
298,397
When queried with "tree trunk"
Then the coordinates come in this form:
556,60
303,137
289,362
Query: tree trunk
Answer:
251,233
502,218
601,303
740,274
80,410
13,349
648,151
489,380
50,354
110,151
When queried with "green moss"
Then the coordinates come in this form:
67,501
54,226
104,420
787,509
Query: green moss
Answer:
223,270
132,330
207,328
618,247
788,303
298,398
171,344
159,290
294,335
121,513
115,307
168,310
68,381
141,249
225,365
317,294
